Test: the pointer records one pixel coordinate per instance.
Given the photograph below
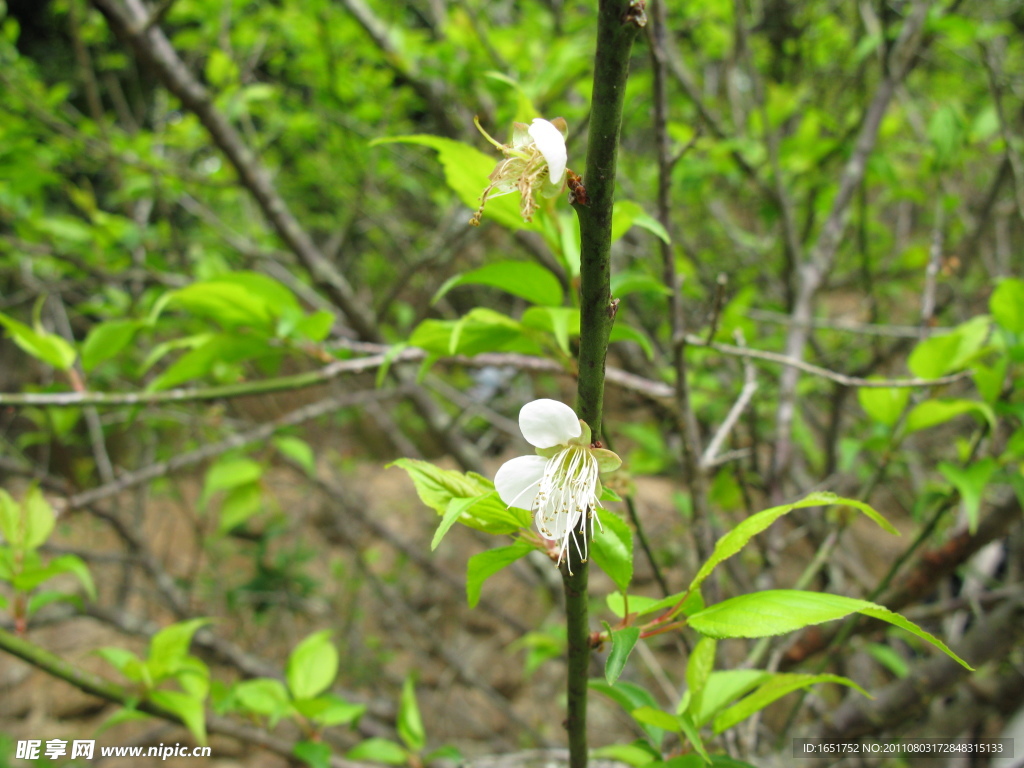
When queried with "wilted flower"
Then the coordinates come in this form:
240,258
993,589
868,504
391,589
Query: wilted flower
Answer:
561,484
534,161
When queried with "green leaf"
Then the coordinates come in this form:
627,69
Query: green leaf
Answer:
330,710
485,564
698,670
298,451
561,322
776,686
775,612
107,340
624,332
187,708
168,648
229,473
637,754
456,508
239,505
410,724
10,519
315,754
625,283
378,750
884,404
312,666
466,170
480,330
214,351
623,641
38,519
687,726
630,697
971,482
889,658
1007,304
264,696
737,538
437,487
934,356
931,413
612,549
653,716
724,687
525,279
237,299
627,214
48,347
29,580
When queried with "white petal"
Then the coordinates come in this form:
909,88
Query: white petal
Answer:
518,480
547,423
551,144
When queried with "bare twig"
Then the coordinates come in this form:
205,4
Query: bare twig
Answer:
711,456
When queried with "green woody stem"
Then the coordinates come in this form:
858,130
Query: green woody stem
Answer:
618,23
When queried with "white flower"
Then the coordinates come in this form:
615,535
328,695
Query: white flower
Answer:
561,484
534,161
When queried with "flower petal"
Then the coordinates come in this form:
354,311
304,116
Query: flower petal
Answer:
551,144
547,423
518,480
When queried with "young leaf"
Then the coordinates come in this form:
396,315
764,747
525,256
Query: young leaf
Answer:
298,451
1007,304
623,641
775,612
631,697
48,347
37,519
640,605
315,754
970,481
737,538
612,549
776,686
107,340
188,709
930,413
169,647
312,666
520,278
884,404
410,724
485,564
378,750
264,696
698,669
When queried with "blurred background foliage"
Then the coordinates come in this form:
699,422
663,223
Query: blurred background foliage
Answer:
196,194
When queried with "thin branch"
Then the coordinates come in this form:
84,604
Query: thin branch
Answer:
711,456
817,266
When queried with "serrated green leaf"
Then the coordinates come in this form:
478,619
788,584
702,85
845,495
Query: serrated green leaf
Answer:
437,487
775,612
699,667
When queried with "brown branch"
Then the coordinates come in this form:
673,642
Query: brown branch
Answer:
153,47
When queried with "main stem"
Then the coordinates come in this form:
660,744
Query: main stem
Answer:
615,32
